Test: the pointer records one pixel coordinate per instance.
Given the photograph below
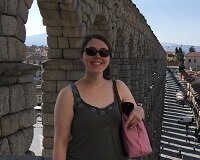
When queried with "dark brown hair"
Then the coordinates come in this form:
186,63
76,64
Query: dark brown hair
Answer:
87,38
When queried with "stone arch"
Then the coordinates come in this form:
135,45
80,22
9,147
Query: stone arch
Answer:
119,46
106,18
67,21
131,46
100,26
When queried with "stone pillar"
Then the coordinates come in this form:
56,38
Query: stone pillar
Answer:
67,21
17,90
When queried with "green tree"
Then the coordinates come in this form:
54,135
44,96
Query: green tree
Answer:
192,49
180,50
176,50
180,57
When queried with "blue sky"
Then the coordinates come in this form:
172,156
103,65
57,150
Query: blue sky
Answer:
34,24
175,21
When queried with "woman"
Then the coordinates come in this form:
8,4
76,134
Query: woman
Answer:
87,118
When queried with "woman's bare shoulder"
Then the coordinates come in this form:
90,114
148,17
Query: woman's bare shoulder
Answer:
66,90
120,84
65,95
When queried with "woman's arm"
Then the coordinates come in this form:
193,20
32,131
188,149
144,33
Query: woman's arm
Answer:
63,115
138,112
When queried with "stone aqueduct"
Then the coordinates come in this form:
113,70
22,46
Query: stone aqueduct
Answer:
138,59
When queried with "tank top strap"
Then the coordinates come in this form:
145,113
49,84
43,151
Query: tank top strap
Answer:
77,98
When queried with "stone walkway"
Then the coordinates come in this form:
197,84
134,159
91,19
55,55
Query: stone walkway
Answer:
36,145
175,143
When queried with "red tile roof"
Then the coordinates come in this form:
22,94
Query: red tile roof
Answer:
192,54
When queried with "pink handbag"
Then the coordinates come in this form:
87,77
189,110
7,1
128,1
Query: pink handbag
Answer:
135,141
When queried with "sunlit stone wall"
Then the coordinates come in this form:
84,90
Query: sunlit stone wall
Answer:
138,57
138,60
17,92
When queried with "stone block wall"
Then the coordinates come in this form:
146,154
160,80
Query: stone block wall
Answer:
137,54
17,90
138,60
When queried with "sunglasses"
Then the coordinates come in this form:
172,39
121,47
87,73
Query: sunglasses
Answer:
91,51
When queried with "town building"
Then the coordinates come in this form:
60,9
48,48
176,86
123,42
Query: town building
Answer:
192,61
171,59
193,92
36,55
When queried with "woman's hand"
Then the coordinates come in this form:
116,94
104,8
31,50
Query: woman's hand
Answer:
136,115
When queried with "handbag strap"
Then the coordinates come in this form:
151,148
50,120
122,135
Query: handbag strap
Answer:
116,93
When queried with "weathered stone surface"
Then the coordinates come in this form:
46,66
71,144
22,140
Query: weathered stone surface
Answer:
3,49
22,11
17,99
25,78
4,147
9,25
48,107
48,119
11,48
75,43
12,73
4,99
54,75
21,30
49,97
12,7
62,84
48,86
8,80
17,143
54,53
71,53
3,6
28,134
48,142
48,131
63,42
54,31
46,13
48,5
52,42
47,152
27,118
30,95
53,22
74,31
16,50
78,65
69,6
60,64
16,69
20,50
9,124
74,75
71,17
28,3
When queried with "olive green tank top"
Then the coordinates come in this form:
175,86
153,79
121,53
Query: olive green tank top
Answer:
95,131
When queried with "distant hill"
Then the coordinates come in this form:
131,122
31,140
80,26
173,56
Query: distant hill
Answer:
171,47
39,40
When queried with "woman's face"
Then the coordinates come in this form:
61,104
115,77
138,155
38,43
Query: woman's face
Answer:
98,62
